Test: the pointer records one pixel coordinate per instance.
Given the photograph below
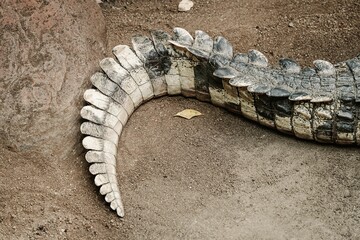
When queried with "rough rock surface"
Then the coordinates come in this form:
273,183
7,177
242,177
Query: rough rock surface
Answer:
185,5
48,51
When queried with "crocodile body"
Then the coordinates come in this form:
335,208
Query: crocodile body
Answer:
319,103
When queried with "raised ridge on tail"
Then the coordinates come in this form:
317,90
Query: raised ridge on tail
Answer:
319,103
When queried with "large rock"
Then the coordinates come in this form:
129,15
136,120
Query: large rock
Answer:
48,50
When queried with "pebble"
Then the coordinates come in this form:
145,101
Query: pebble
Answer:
291,24
185,5
347,193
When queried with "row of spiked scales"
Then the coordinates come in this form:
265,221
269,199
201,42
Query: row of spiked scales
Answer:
319,103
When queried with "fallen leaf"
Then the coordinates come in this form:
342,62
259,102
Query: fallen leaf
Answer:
188,113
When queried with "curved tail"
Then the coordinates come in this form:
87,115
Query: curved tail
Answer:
319,103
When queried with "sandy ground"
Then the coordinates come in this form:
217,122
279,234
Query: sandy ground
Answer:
217,176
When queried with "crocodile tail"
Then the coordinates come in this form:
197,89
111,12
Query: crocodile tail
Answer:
311,103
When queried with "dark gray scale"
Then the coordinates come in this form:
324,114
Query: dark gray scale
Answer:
223,48
257,58
322,100
357,122
277,77
324,132
172,78
262,75
221,56
290,96
247,75
242,81
345,83
222,53
248,85
307,73
202,46
161,43
289,65
107,87
323,121
322,97
202,73
282,108
354,66
241,58
231,97
324,68
326,94
290,83
328,84
323,93
263,82
259,88
322,82
346,122
290,74
182,38
112,90
226,72
315,83
234,107
345,116
289,77
238,64
262,103
345,127
297,80
216,89
264,109
156,64
346,109
301,85
279,92
300,96
301,120
231,94
201,55
215,62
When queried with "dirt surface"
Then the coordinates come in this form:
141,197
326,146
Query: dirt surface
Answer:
217,176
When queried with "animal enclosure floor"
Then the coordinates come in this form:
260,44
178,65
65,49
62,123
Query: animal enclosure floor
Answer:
217,176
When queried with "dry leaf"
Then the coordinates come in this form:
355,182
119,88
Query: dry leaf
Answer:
188,113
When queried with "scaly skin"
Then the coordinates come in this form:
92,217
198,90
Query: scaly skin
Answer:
319,104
